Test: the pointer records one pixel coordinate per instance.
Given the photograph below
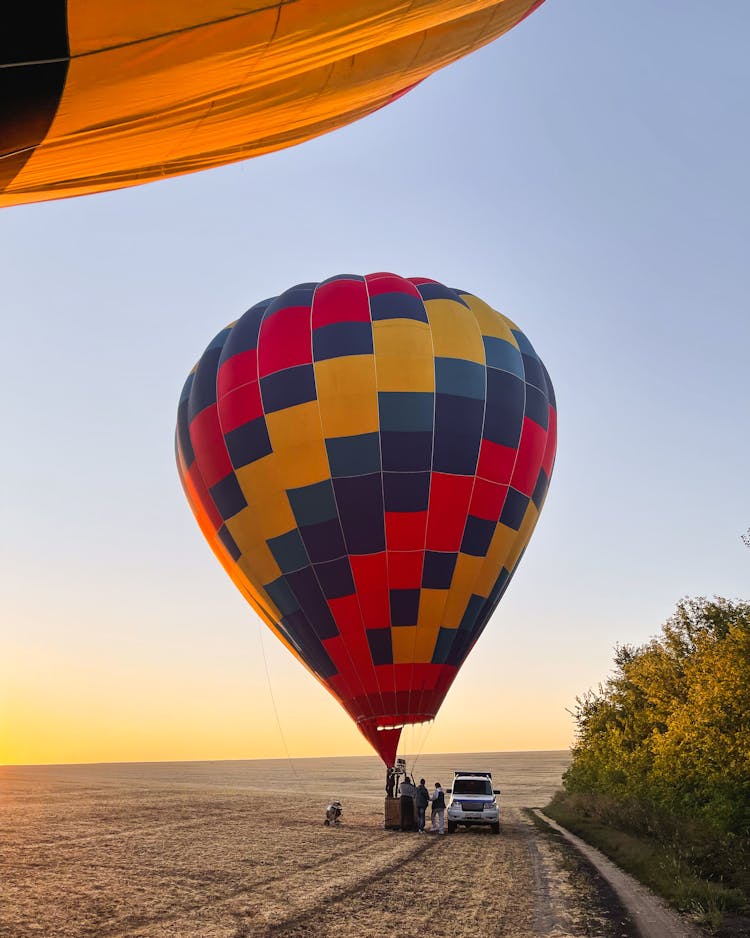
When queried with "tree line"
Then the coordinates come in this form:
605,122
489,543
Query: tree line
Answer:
662,758
671,725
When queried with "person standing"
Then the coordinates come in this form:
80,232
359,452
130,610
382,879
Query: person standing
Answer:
422,799
438,809
407,792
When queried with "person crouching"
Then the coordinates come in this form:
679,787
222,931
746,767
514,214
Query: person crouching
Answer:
333,814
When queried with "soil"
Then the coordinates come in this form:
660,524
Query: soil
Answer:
157,855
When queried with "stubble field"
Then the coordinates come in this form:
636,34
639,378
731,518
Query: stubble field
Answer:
238,849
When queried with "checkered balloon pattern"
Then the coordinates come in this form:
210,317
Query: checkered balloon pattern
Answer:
368,457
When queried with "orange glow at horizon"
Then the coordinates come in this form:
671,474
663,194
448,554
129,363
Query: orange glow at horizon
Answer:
69,714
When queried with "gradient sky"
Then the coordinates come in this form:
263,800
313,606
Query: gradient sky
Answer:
588,176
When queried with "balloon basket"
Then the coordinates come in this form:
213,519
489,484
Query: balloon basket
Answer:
392,814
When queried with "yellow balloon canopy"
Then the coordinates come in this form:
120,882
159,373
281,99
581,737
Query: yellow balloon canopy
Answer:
98,96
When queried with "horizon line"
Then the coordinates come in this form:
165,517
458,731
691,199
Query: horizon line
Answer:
478,752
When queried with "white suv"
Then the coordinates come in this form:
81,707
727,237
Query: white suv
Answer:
472,801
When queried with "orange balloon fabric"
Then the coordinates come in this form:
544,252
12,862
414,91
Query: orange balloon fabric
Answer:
98,96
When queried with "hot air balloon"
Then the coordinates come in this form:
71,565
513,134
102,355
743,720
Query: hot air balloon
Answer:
98,96
368,457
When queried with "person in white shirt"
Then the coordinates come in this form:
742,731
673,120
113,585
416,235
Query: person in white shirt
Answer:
438,809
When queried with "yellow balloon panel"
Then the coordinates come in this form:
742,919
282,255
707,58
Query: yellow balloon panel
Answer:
372,453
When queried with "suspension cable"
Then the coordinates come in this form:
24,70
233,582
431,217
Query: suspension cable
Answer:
297,779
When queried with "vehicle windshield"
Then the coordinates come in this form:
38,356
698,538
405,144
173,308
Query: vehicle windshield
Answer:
472,786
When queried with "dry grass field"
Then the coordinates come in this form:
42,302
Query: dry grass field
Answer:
238,849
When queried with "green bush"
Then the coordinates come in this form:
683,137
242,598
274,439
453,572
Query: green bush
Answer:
660,770
671,726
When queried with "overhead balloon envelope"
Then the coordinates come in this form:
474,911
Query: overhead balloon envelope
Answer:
368,457
97,96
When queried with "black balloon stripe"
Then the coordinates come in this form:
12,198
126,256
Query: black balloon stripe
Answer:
30,94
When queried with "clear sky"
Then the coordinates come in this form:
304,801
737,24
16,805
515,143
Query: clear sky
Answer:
587,175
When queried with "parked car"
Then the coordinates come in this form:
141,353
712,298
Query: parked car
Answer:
472,801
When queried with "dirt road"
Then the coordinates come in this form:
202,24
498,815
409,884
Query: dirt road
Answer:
652,917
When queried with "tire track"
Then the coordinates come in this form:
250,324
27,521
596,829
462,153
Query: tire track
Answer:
260,899
461,886
351,886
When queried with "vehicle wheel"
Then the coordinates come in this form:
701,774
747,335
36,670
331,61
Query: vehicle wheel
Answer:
451,827
496,828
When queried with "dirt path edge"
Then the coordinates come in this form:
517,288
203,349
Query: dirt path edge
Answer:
650,914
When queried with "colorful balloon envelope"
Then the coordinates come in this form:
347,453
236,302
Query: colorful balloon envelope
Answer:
97,96
368,457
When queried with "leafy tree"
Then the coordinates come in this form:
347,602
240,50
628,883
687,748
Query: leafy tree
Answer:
670,727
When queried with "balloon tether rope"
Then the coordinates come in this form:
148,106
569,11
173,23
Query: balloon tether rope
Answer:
276,711
421,746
